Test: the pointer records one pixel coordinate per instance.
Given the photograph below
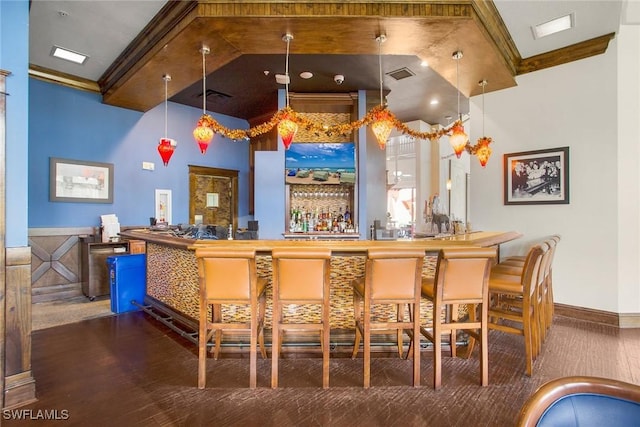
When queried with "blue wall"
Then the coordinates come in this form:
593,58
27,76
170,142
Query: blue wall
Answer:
74,124
14,57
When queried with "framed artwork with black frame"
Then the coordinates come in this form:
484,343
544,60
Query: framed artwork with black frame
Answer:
80,181
539,177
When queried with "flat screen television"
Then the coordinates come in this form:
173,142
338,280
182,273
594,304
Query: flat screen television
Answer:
320,163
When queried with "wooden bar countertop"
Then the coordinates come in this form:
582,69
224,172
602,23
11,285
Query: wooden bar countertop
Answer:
478,238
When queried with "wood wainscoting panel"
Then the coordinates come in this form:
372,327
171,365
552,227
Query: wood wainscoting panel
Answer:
19,383
55,259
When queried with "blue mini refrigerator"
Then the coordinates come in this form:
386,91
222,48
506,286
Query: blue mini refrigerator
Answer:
128,281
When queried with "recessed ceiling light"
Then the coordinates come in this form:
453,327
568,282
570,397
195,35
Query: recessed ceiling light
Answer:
553,26
424,63
306,74
434,102
68,55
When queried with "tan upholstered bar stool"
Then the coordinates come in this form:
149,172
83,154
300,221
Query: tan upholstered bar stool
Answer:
514,299
515,264
300,276
392,276
229,277
462,277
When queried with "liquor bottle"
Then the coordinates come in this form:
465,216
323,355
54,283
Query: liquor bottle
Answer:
347,215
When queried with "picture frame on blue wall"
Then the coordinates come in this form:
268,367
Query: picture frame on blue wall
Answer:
80,181
539,177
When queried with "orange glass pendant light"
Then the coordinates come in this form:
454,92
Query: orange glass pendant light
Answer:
287,129
166,146
458,138
203,133
382,128
383,125
482,149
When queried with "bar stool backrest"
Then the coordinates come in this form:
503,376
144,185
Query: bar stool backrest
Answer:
301,272
393,273
227,275
462,274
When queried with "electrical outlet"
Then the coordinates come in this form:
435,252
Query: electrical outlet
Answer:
148,166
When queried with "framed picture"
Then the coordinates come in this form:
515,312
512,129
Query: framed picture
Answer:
163,206
537,177
80,181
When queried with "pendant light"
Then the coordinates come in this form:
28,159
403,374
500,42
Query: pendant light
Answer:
203,133
458,138
287,128
383,125
167,146
482,149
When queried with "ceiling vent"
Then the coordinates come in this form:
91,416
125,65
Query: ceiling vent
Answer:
401,73
214,94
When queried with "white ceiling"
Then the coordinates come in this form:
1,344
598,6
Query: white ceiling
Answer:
592,19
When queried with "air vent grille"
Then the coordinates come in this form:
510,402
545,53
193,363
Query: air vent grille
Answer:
214,94
401,73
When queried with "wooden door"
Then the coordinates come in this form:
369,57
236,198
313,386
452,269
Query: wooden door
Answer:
213,196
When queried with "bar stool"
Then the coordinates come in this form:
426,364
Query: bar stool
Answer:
300,276
462,277
514,299
229,276
392,276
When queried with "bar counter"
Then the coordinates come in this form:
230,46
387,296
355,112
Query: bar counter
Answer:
172,272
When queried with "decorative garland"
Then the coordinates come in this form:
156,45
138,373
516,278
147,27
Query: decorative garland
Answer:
481,149
377,113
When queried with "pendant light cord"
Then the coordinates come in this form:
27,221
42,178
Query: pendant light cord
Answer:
166,81
204,81
381,39
458,87
287,38
483,85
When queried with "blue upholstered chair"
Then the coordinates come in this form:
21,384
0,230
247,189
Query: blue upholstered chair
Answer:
584,402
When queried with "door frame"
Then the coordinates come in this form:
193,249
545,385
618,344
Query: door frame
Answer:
213,172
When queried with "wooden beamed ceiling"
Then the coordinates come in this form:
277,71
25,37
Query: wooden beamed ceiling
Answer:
170,44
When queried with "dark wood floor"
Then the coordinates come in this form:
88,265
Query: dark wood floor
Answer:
130,370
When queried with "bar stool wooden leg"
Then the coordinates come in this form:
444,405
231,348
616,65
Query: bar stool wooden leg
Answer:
357,312
367,344
202,349
216,313
262,305
399,332
326,341
253,344
275,344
